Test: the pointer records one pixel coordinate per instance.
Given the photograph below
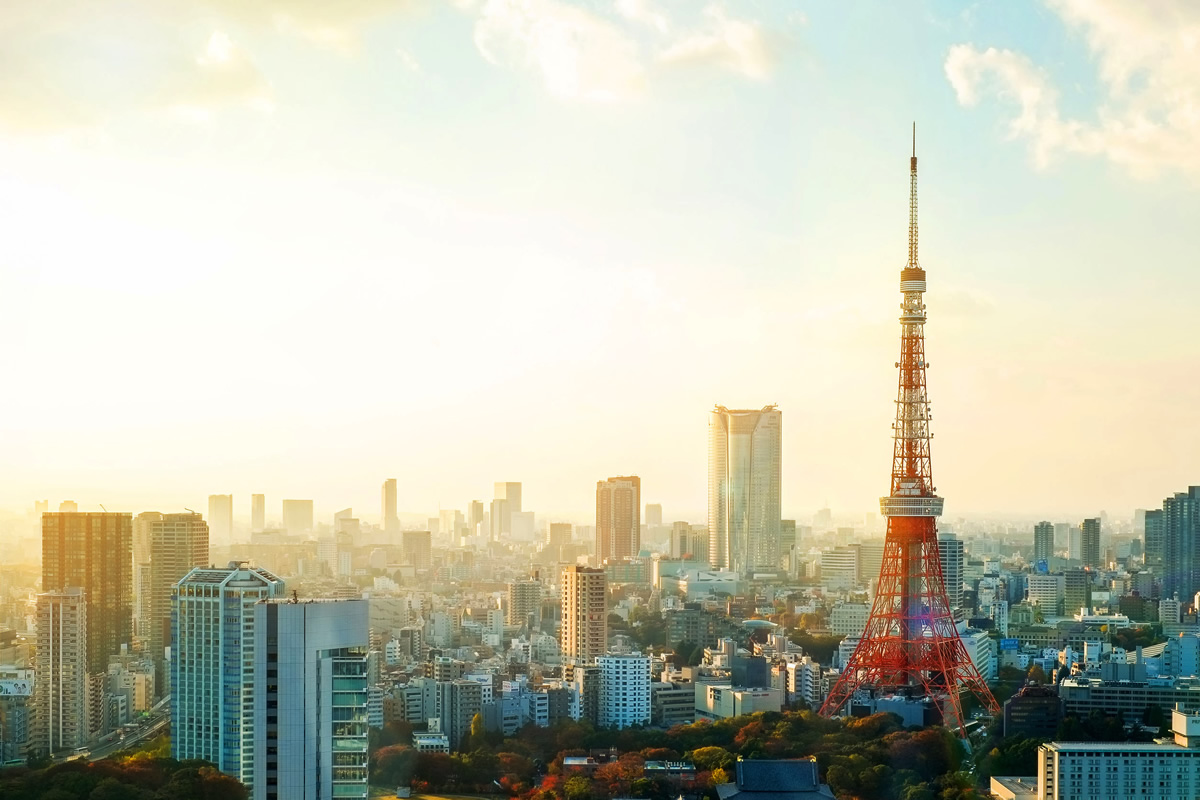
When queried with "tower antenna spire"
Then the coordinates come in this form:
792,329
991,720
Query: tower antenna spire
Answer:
912,204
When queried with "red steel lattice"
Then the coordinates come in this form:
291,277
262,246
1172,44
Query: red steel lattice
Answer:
910,646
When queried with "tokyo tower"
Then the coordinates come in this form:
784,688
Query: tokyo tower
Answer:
911,647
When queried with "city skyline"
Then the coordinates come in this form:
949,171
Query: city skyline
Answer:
678,164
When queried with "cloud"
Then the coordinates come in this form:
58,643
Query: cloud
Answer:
1147,59
581,54
578,55
68,65
737,45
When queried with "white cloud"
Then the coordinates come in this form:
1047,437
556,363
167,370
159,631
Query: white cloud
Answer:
579,55
1147,59
735,44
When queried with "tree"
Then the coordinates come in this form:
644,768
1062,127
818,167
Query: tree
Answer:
710,758
1037,675
578,788
719,776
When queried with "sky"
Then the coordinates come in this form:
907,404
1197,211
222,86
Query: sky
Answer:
297,247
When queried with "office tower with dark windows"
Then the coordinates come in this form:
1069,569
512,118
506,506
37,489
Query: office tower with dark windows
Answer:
744,484
618,518
298,517
389,518
220,518
583,629
1154,540
93,551
62,718
1043,542
1089,536
310,699
258,513
178,543
1077,592
1179,522
213,687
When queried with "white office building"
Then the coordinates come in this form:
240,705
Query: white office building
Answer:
624,690
310,699
1168,769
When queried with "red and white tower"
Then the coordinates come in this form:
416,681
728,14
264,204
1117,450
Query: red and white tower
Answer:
911,645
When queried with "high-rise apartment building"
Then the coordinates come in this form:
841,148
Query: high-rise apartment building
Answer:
744,483
458,701
1180,525
1048,592
1043,542
298,517
1077,592
61,686
258,513
1089,533
559,534
388,514
213,663
142,524
506,501
584,624
950,551
178,543
220,518
418,548
1153,526
524,602
93,551
624,690
618,518
310,700
653,515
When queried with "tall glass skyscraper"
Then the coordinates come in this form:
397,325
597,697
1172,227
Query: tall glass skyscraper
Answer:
744,481
212,665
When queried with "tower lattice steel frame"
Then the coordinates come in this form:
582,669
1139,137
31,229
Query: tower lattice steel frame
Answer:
911,644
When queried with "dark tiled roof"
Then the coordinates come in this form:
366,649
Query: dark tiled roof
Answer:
791,779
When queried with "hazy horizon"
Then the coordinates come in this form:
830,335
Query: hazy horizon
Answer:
295,249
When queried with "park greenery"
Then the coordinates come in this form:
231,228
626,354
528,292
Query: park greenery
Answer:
142,776
870,757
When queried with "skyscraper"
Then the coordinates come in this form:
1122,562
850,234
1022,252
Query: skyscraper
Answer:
93,551
618,518
1089,531
559,534
584,624
310,700
298,517
524,602
506,501
220,518
744,480
391,521
178,542
213,665
62,713
1043,542
653,515
950,550
258,512
1154,541
418,548
1180,525
1077,592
